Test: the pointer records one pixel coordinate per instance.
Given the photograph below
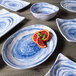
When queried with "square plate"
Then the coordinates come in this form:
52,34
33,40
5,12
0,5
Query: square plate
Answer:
62,67
8,20
14,5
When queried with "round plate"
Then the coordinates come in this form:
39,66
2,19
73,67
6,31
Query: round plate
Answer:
20,52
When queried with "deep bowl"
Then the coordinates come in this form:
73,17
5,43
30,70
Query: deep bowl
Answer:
44,11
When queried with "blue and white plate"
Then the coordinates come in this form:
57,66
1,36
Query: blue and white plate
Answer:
69,5
14,5
8,20
20,52
62,67
67,28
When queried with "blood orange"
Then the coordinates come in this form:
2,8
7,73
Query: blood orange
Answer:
34,37
40,42
46,33
40,37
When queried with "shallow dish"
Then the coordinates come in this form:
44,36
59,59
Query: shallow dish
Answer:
62,67
69,5
8,20
14,5
44,11
20,52
67,28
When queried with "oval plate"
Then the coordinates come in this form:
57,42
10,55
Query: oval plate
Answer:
20,52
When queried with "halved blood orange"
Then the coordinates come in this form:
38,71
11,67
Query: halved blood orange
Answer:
40,37
47,34
40,42
34,37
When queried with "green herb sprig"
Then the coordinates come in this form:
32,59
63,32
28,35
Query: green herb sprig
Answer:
43,36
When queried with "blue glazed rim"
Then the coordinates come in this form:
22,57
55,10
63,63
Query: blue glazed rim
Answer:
44,3
41,61
64,1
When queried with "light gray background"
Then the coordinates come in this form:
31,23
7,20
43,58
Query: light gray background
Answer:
67,48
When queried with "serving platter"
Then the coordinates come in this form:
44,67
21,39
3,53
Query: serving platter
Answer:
8,21
20,52
62,67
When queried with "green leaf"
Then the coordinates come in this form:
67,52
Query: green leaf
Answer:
38,34
43,38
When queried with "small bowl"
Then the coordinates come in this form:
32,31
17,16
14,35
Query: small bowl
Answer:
69,5
44,11
67,28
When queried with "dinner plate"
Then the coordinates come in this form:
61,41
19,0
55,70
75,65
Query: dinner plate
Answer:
69,5
14,5
62,67
20,52
67,28
8,20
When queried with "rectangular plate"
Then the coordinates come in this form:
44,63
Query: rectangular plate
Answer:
8,20
14,5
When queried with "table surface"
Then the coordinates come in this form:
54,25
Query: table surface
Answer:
63,46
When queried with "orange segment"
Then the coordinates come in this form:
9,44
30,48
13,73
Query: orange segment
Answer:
34,37
40,42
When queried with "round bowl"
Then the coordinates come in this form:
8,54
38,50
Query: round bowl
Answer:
44,11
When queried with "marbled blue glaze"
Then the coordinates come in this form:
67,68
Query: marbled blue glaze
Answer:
67,28
62,67
14,5
69,5
72,32
8,20
25,48
44,8
24,52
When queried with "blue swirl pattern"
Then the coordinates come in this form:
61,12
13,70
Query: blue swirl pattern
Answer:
62,67
44,8
69,5
25,43
8,20
14,5
20,52
67,28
